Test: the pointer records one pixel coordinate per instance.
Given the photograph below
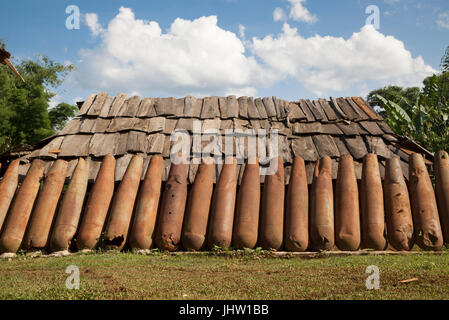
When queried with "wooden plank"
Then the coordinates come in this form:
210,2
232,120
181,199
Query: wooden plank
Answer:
87,125
330,113
117,104
307,128
296,114
137,142
121,165
210,108
243,107
377,145
121,147
170,125
372,128
211,124
72,127
179,107
130,108
338,111
356,146
121,124
156,124
277,107
260,108
165,106
192,107
325,146
305,109
146,108
270,108
223,106
305,148
318,114
347,109
46,151
384,126
106,107
155,143
232,107
103,144
350,129
86,105
356,108
75,146
253,112
282,129
141,124
185,124
317,106
373,115
331,128
284,150
101,125
97,105
341,146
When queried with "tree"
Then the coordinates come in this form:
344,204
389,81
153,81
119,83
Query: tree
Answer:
396,94
60,114
24,107
445,61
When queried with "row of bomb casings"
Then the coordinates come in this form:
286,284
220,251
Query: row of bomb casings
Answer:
273,218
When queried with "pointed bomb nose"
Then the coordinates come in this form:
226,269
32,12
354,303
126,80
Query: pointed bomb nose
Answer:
4,59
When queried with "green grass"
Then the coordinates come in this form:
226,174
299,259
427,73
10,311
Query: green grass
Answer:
250,275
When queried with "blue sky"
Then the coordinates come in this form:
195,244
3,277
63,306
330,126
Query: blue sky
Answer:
309,48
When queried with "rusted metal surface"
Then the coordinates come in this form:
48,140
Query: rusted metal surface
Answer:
142,232
297,209
272,214
68,217
17,220
442,190
173,203
117,227
223,206
44,210
372,205
347,213
246,223
97,206
322,235
198,207
398,212
8,186
424,207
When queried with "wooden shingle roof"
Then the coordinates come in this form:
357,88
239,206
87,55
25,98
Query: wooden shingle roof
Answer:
124,126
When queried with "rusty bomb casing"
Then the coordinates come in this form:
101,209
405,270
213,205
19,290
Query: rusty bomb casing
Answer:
19,215
44,210
322,235
142,231
347,213
428,232
8,187
398,212
272,215
197,214
97,206
173,203
223,206
246,221
372,205
297,209
68,217
117,227
442,190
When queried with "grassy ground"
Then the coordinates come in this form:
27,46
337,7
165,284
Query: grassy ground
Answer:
224,276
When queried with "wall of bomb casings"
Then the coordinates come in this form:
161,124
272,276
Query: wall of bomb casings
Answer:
341,214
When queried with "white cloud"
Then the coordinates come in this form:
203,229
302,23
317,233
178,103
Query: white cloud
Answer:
325,64
242,31
93,24
300,13
192,56
279,15
392,2
200,58
443,20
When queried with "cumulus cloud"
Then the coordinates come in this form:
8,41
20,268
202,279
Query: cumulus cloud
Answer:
279,15
198,57
300,13
330,64
443,20
192,56
93,24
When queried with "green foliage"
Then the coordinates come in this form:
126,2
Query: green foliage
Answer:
445,61
59,115
425,119
24,107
